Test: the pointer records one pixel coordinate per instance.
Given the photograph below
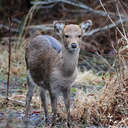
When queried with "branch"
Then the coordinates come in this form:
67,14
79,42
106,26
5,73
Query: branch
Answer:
106,27
4,27
49,27
77,4
45,27
47,7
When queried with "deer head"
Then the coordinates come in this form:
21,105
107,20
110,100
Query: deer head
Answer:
72,34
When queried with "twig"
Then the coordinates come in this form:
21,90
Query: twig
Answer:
14,101
9,58
104,60
117,7
26,21
112,21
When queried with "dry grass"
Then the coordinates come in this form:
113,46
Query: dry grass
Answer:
109,107
17,61
88,77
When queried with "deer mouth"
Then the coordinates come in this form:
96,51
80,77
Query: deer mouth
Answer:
73,50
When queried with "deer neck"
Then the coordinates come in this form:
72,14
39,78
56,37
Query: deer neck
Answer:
69,62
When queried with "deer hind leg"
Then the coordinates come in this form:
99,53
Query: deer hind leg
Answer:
66,95
44,102
30,91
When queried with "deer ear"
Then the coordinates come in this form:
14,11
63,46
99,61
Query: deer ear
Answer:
58,27
85,26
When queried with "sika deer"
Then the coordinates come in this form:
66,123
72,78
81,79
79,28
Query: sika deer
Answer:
53,65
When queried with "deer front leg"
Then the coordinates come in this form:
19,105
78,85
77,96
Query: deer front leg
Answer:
66,95
44,103
53,98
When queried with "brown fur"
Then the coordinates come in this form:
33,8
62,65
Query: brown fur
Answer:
51,70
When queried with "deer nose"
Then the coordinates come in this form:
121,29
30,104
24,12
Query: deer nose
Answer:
73,45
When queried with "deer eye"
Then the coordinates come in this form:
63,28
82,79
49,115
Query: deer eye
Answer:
79,36
66,36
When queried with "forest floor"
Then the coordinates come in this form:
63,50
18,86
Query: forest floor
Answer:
12,113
